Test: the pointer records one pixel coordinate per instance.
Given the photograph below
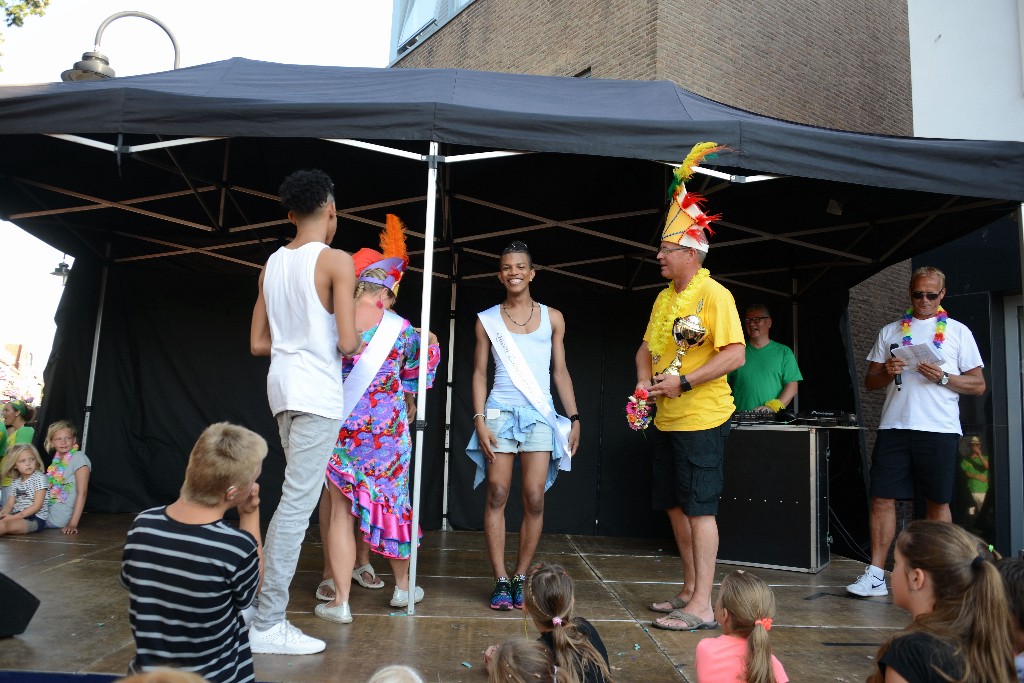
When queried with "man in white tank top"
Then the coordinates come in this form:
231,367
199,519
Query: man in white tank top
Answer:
304,319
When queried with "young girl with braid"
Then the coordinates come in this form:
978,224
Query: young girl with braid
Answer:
745,609
549,599
961,629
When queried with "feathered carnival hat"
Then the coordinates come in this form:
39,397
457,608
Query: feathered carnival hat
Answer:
392,261
686,221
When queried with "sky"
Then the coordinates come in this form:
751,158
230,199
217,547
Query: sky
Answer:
320,32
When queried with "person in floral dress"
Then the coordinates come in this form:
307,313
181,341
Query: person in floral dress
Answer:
368,473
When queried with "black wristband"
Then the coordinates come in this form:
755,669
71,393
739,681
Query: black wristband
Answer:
574,418
684,383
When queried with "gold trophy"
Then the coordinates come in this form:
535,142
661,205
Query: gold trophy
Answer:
688,332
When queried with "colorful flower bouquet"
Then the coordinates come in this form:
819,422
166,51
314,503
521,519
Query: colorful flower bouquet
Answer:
638,411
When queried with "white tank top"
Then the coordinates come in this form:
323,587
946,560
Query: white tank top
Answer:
536,348
305,364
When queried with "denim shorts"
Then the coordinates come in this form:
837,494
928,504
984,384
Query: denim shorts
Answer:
34,524
539,437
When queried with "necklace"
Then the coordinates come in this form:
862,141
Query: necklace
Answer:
513,320
667,307
940,327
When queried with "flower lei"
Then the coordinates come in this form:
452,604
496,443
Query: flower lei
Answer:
638,411
940,327
59,488
667,308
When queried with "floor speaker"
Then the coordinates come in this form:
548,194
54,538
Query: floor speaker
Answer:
19,607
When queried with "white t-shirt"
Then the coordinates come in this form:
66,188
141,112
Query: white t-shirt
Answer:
924,405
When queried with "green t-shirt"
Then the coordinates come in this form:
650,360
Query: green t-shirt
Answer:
762,377
23,434
979,482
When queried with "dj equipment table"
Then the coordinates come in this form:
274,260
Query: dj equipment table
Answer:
773,510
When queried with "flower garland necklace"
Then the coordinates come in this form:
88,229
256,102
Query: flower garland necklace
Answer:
55,473
669,306
940,327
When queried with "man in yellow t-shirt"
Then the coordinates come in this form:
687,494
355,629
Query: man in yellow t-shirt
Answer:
693,407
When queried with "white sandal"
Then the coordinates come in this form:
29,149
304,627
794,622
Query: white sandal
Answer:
321,595
374,583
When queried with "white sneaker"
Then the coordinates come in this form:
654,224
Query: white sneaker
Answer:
400,598
283,639
868,585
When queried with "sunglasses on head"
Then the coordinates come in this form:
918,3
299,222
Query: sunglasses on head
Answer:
931,296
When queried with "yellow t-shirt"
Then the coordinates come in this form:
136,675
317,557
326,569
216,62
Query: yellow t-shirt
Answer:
709,404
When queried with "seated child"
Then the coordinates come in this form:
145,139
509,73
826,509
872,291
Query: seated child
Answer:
1012,572
521,661
67,478
24,511
745,609
549,598
189,575
961,622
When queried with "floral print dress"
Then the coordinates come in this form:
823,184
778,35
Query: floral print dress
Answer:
370,462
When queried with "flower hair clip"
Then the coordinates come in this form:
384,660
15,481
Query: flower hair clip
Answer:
556,621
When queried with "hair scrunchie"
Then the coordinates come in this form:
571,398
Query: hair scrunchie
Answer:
556,621
766,623
977,562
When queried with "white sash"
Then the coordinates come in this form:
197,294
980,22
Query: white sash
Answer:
522,377
371,360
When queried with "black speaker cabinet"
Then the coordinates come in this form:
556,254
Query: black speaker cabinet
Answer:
19,606
774,507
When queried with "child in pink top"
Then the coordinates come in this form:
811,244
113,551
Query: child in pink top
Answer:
745,608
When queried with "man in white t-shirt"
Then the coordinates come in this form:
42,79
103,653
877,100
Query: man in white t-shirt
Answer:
920,428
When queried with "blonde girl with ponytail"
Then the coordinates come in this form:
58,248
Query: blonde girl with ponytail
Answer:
745,610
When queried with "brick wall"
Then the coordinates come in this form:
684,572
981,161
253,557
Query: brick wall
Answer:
874,303
613,38
834,63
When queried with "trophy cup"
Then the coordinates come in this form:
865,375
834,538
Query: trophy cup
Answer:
688,333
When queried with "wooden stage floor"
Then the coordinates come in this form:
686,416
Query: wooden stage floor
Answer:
820,633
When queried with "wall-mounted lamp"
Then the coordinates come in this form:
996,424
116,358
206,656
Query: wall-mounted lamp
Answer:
95,65
62,271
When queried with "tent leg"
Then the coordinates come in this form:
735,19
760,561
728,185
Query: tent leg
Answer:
95,347
421,395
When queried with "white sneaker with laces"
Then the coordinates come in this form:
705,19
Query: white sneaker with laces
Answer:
868,585
283,639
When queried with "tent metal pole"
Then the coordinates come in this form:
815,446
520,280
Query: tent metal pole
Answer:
95,347
421,395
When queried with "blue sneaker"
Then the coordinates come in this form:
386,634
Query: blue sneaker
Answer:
501,598
518,582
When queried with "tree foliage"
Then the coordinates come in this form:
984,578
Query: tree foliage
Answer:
15,11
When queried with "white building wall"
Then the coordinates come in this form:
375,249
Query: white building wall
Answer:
966,68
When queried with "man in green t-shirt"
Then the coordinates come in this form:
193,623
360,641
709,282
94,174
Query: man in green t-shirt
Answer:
768,380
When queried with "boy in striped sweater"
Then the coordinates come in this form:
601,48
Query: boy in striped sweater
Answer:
189,575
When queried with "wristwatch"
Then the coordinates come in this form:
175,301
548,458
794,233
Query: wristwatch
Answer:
574,418
945,379
684,383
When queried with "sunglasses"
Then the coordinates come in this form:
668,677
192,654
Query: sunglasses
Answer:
931,296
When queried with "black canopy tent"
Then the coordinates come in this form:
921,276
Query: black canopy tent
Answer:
168,231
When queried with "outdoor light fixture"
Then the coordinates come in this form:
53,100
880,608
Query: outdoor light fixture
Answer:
62,271
95,65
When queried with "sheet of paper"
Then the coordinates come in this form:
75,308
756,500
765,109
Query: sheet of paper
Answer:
918,353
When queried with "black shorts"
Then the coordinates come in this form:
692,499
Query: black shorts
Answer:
907,460
687,469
